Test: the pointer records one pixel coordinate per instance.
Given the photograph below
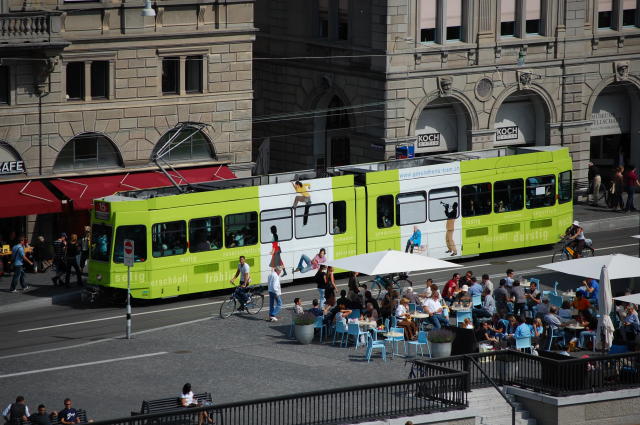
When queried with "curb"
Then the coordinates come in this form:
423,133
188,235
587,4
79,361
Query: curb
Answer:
69,297
614,223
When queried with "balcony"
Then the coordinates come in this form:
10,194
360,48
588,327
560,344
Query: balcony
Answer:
31,30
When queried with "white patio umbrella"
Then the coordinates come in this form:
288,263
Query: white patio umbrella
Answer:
604,334
633,298
620,266
386,262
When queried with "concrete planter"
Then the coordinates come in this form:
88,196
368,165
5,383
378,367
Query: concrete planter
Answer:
304,333
440,349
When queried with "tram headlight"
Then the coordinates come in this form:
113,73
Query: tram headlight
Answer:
98,277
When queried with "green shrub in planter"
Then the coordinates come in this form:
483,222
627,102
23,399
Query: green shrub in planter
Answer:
304,319
441,336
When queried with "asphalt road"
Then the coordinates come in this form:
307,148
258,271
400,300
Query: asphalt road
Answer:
64,351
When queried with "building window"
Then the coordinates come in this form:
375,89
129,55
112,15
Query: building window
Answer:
241,229
323,18
189,144
343,20
88,151
169,238
428,13
508,18
4,84
532,17
629,8
99,79
411,208
279,222
171,75
193,69
454,20
75,81
605,13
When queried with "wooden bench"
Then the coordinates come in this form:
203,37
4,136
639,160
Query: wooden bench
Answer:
55,420
169,404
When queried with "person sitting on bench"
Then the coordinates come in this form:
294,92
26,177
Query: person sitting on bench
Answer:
187,400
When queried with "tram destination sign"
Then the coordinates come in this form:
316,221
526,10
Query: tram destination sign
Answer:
507,133
428,140
12,167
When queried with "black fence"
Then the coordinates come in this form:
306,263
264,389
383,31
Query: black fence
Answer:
440,389
554,376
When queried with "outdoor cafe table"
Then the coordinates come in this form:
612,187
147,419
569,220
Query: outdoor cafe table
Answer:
367,324
459,307
568,294
394,342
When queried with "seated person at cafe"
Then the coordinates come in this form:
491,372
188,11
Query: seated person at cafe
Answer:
485,333
565,310
411,296
451,288
581,303
343,298
552,320
404,320
590,324
523,330
475,288
631,324
533,297
368,298
463,297
371,313
497,327
433,308
341,314
315,308
488,307
543,307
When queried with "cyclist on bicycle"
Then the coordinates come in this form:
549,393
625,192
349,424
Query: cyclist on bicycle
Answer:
576,239
245,279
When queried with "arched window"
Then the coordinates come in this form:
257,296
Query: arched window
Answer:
190,144
88,150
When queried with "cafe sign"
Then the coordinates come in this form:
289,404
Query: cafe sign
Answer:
428,140
507,133
12,167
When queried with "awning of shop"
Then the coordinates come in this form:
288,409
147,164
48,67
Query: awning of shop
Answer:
25,198
83,190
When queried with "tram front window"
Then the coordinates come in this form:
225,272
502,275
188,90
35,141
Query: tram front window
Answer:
100,242
136,233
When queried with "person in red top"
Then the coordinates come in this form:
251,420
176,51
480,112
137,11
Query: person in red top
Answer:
450,288
630,184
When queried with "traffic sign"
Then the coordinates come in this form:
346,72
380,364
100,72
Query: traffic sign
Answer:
128,253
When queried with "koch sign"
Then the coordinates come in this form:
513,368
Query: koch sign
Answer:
507,133
12,167
428,140
128,253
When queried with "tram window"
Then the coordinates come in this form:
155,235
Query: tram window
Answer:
385,211
283,222
338,217
311,221
100,242
411,208
564,187
241,229
444,203
476,199
205,234
136,233
507,195
169,238
541,191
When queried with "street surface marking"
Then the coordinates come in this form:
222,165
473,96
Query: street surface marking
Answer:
49,369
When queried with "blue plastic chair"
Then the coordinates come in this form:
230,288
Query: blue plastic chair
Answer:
461,315
476,300
319,325
394,322
375,345
524,343
554,333
354,330
395,339
555,300
355,314
412,308
554,292
340,329
421,341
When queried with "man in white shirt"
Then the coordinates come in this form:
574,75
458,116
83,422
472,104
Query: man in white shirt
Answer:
275,301
433,307
486,282
245,279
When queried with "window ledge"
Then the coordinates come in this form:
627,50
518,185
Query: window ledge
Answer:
530,39
425,47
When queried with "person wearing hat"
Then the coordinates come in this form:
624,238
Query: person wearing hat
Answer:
59,253
464,296
576,238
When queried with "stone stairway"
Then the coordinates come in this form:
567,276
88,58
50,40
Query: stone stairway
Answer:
492,409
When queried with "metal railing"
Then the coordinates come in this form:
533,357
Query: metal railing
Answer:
442,390
546,375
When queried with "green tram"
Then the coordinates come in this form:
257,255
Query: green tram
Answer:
463,204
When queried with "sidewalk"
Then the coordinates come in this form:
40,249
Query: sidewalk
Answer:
40,294
602,219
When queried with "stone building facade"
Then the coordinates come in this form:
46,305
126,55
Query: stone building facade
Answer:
365,77
93,87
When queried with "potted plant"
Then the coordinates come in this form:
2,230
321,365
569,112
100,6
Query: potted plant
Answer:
304,327
440,341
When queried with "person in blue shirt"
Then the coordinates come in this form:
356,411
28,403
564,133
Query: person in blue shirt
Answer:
315,309
414,240
523,330
19,258
593,289
68,415
475,288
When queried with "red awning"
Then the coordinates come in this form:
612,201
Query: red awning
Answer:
25,198
83,190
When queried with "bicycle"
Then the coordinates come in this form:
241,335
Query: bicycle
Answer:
564,252
253,305
388,283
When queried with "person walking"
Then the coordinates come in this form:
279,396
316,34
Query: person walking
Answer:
630,185
616,189
595,182
71,260
321,283
275,300
19,258
85,244
59,253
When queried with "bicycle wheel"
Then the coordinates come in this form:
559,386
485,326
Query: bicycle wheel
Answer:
228,308
588,252
255,303
376,289
560,256
403,283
